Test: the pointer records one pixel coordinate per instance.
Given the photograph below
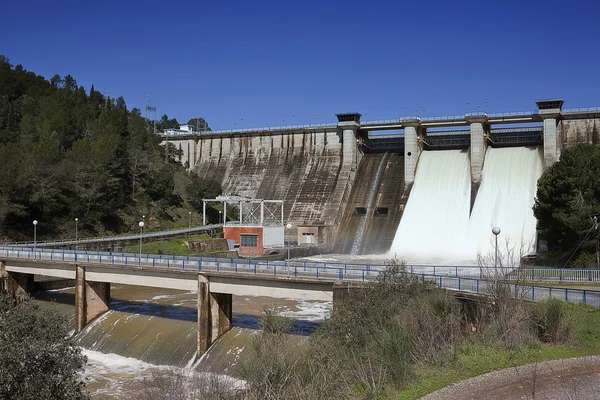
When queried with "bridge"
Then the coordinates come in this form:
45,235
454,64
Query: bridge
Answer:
216,280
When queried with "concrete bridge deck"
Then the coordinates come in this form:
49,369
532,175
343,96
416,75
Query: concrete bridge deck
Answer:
217,280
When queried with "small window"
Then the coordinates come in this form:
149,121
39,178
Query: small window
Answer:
380,211
360,211
249,240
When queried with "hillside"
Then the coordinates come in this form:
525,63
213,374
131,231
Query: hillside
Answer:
70,153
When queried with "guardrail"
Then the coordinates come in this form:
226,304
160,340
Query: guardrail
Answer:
481,272
288,269
246,130
116,238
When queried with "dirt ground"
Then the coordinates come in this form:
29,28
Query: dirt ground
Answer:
575,378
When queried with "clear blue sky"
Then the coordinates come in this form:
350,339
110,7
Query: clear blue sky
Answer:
258,63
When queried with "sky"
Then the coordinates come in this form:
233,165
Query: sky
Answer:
246,64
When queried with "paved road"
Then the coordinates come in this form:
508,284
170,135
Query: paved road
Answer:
575,378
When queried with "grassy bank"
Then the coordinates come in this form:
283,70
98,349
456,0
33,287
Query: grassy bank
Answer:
474,358
401,338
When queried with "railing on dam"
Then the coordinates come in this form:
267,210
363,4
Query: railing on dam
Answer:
470,279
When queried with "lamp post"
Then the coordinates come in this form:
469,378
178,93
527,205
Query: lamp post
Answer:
220,212
496,232
76,233
141,224
34,236
288,226
595,221
190,220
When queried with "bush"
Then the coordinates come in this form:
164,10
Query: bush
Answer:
552,320
432,324
37,358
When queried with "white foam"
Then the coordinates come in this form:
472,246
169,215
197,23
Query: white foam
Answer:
434,225
310,310
505,199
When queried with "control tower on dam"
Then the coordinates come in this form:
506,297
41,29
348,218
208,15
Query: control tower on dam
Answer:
354,177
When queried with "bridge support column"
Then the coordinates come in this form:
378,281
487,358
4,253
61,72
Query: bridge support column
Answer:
214,315
15,284
412,150
92,299
550,111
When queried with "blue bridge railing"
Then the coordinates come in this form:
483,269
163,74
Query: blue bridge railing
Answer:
478,280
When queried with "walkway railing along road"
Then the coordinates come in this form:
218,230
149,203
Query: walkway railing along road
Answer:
172,232
470,279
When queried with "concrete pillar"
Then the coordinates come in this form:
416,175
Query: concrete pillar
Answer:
349,123
214,315
412,150
550,111
16,285
204,332
479,128
92,299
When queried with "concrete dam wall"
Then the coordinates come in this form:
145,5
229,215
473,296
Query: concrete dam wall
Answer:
380,217
312,172
354,201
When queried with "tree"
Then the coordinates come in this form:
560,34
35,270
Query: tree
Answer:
568,195
199,189
199,124
37,358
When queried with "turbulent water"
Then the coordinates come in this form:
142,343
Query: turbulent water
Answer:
149,330
505,199
436,226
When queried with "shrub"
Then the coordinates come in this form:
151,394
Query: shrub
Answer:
552,320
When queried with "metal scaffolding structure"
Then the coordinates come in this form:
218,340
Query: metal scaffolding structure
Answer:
252,212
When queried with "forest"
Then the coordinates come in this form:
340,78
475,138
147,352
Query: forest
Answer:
70,153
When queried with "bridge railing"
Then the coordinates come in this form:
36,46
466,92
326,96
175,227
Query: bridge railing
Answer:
463,284
481,272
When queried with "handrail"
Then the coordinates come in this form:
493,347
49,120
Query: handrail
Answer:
289,269
117,238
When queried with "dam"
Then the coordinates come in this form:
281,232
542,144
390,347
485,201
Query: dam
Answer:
361,187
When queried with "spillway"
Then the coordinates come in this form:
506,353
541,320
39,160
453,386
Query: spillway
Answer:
505,199
374,189
437,226
434,226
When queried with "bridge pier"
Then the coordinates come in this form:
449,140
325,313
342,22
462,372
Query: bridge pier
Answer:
214,315
92,299
16,285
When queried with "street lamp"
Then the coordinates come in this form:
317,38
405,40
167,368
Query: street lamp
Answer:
496,232
220,212
141,224
288,226
34,236
76,231
190,220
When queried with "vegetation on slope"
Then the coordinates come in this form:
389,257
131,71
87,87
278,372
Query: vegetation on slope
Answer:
67,153
403,338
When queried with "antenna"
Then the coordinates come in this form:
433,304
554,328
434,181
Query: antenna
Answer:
150,108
